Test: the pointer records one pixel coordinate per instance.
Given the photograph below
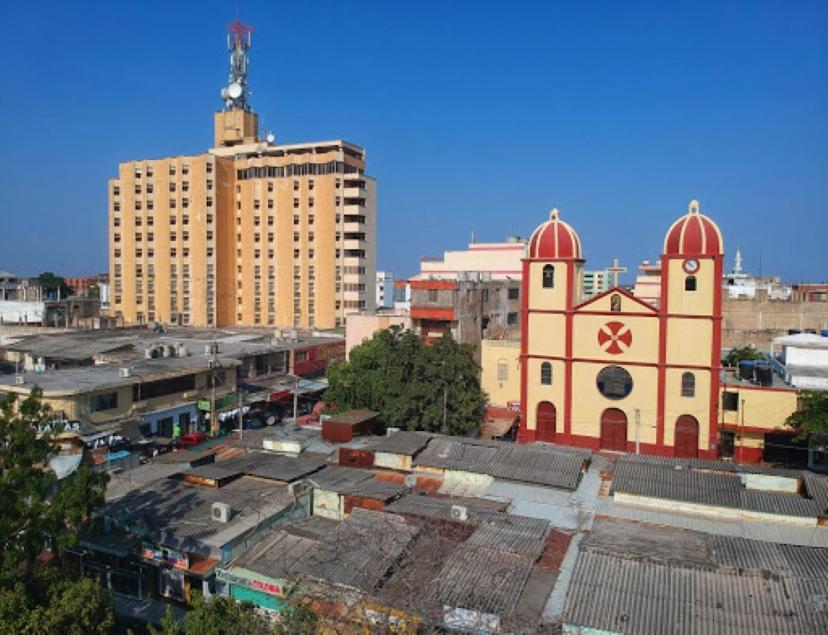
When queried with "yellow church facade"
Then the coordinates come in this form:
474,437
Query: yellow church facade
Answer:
613,372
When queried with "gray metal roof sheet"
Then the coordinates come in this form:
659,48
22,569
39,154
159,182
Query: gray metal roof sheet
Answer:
440,508
180,510
360,551
617,594
542,465
451,454
513,534
672,481
213,471
482,578
277,467
403,442
276,554
817,488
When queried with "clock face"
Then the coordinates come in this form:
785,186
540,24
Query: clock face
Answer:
691,266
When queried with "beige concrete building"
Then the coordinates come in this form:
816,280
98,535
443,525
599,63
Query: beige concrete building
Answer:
249,233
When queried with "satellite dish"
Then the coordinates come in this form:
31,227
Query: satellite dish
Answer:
270,137
234,90
224,94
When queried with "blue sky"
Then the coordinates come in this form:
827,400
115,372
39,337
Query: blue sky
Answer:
475,116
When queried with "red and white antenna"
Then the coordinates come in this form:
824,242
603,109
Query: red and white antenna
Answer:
236,93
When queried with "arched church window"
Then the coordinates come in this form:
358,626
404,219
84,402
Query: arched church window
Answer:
690,283
615,303
546,373
688,385
548,276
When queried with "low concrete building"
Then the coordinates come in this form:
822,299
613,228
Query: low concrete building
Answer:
805,357
471,310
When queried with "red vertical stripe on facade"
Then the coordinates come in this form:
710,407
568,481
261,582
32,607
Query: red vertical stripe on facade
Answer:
716,356
663,310
524,435
570,291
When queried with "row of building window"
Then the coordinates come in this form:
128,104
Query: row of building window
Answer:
295,169
688,379
185,170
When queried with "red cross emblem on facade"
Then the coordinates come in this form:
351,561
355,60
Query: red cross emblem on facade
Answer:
614,337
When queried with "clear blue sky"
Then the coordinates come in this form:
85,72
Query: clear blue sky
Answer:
475,116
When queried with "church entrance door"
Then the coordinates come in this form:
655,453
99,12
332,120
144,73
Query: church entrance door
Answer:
545,422
614,430
686,443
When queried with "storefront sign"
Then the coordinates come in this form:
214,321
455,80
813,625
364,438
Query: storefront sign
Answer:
157,553
260,583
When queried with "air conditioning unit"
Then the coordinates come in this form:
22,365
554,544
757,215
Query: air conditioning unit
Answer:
390,431
410,480
221,512
460,513
125,372
19,380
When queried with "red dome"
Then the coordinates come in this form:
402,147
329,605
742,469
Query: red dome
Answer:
694,235
555,239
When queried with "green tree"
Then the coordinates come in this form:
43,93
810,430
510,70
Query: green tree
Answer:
222,615
811,419
169,624
413,386
51,283
94,292
297,619
736,355
36,508
49,601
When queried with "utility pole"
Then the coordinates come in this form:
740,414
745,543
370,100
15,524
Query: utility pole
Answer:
445,402
637,430
240,418
214,349
742,434
295,398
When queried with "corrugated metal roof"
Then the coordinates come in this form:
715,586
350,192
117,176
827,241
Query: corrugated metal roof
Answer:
360,551
672,481
403,442
339,479
542,465
513,534
614,593
276,467
276,554
313,527
440,508
754,555
817,489
213,471
450,454
710,465
482,579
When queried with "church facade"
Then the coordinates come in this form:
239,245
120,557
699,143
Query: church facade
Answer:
616,373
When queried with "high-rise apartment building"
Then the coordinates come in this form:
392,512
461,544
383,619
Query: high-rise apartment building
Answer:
249,233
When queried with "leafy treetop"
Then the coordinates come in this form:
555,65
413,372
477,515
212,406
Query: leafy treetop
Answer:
413,386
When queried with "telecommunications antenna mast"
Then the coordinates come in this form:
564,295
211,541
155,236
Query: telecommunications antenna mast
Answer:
236,93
